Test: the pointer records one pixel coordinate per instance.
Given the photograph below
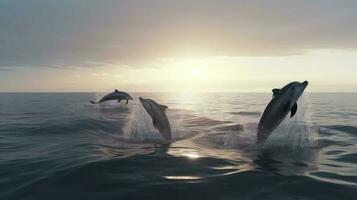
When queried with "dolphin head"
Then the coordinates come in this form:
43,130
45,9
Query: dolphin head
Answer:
295,89
291,94
147,104
129,97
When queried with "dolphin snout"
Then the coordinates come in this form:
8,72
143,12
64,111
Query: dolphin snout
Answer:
305,84
142,100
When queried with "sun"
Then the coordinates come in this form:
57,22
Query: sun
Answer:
195,72
191,70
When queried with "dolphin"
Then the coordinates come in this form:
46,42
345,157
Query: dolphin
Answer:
284,101
159,118
116,95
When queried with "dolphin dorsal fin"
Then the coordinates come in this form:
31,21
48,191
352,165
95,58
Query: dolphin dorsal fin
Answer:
275,91
163,108
293,110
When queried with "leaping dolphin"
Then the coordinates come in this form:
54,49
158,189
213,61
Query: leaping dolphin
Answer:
116,95
284,101
159,118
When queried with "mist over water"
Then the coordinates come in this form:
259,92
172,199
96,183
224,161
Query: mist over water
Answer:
59,146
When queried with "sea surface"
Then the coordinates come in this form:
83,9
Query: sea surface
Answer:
59,146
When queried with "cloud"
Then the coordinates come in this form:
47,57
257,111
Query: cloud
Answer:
100,74
90,33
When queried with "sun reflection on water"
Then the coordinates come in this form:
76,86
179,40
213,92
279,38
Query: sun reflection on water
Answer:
182,177
192,154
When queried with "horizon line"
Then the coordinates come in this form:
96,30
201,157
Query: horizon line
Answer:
89,92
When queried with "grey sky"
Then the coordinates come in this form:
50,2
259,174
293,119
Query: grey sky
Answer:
63,33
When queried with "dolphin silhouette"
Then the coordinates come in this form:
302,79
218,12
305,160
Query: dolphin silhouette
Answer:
159,118
284,101
116,95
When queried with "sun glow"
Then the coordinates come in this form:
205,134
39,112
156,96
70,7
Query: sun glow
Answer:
199,74
195,72
188,74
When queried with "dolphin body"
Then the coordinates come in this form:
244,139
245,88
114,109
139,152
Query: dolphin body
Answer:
284,101
159,118
116,95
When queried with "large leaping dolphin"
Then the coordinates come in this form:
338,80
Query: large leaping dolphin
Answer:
284,101
116,95
159,118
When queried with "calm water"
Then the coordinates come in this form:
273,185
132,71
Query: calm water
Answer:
58,146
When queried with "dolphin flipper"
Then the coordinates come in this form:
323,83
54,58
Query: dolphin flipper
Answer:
293,110
92,102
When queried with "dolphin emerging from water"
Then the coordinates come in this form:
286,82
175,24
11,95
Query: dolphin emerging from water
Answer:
284,101
116,95
159,118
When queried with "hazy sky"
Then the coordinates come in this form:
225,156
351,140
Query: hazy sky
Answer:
177,45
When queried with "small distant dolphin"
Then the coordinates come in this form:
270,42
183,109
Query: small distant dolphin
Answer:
159,118
284,100
116,95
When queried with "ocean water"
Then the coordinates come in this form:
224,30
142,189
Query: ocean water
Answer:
59,146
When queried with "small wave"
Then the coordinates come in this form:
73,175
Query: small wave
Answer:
203,121
325,142
336,178
348,158
246,113
234,128
346,129
76,126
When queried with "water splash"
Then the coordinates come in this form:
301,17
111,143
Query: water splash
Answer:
295,133
241,139
139,127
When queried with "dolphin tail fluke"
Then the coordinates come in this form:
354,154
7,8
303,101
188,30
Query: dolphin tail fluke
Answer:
92,102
